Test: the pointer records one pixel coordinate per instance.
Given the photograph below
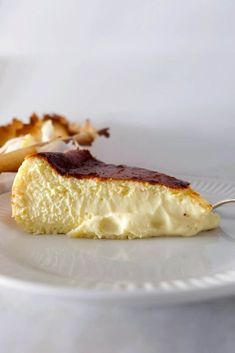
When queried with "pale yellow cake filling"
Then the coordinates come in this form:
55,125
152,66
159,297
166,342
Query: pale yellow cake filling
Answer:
45,202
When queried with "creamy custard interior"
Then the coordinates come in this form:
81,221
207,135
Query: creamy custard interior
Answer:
50,197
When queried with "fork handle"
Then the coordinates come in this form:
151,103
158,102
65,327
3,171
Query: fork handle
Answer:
221,203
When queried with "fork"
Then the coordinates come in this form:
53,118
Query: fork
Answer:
223,202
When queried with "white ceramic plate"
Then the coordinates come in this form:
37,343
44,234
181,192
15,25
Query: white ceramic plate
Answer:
157,270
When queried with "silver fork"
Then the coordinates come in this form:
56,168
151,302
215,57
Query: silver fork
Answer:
223,202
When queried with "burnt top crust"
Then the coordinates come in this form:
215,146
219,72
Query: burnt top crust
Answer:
81,164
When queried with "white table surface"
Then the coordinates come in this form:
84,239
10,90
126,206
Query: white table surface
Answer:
130,65
34,324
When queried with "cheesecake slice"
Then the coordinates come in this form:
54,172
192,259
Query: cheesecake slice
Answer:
73,193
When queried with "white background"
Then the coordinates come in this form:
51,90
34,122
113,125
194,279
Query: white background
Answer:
133,64
161,75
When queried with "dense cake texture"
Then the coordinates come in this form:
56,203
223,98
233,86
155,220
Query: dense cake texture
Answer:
74,193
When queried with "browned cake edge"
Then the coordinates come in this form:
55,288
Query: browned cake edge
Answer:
82,165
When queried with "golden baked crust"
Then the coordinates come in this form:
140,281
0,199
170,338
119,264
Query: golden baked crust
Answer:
85,132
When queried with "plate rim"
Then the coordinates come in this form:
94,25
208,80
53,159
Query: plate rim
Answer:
175,291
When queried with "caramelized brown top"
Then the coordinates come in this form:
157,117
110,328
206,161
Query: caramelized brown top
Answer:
81,164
